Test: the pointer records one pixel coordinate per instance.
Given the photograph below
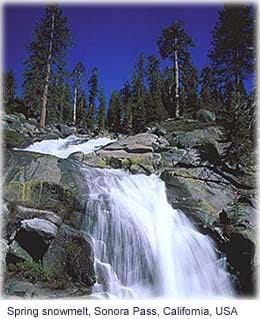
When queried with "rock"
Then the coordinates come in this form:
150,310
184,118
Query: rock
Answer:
40,226
71,252
115,146
139,143
19,288
16,138
223,218
19,132
138,148
35,235
17,254
29,126
196,137
78,156
64,129
210,151
47,183
4,250
82,131
189,189
11,118
159,131
180,157
32,212
206,116
115,162
139,169
33,121
22,116
24,289
180,125
240,253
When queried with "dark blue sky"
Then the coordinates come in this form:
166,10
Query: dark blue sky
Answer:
109,37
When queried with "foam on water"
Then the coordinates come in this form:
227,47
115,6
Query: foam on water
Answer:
64,147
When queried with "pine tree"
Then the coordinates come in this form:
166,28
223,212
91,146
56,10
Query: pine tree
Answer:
60,100
233,55
154,105
126,111
78,75
138,96
102,111
210,97
114,113
189,90
93,92
233,61
236,129
174,43
46,59
168,79
9,91
81,110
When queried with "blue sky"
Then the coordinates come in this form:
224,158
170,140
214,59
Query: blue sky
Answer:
109,37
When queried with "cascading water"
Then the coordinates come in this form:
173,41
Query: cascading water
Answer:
64,147
143,247
153,249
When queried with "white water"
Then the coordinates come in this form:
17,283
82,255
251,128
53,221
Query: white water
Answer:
143,247
64,147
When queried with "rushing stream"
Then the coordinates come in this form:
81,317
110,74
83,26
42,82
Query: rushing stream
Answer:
143,247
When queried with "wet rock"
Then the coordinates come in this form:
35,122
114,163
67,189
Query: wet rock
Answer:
78,156
71,252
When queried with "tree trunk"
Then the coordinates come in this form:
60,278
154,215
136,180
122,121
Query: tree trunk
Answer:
47,78
75,105
177,110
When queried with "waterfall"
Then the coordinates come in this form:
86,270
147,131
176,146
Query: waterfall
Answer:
143,247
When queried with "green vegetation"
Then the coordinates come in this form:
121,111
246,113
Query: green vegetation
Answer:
31,270
34,272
